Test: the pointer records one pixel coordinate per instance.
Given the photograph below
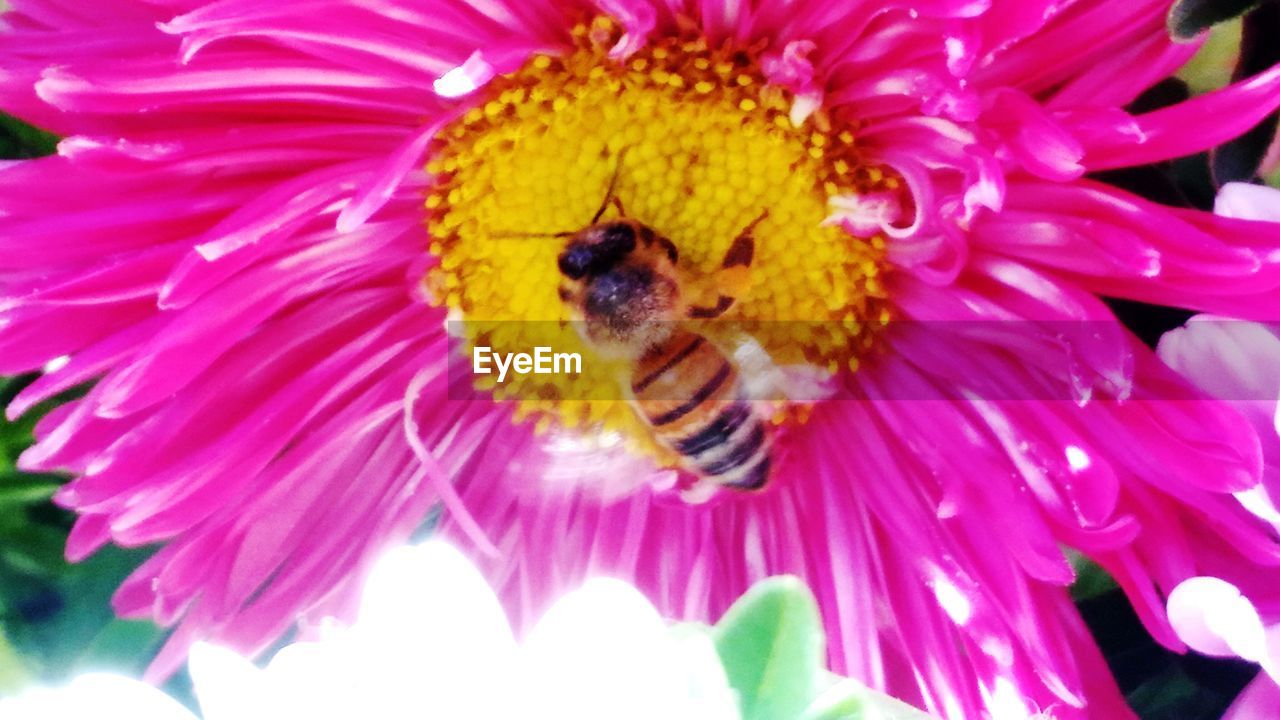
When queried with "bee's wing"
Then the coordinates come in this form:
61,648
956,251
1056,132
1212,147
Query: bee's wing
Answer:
764,379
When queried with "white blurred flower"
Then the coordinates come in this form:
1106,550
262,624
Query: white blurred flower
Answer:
431,641
1238,362
1246,201
99,696
1214,618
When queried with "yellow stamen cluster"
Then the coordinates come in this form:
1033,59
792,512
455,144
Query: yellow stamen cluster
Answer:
708,147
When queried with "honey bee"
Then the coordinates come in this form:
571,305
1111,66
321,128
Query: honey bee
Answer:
622,284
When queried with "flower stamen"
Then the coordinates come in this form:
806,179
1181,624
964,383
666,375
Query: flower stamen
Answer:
709,145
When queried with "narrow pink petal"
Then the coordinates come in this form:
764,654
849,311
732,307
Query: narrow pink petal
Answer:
1176,131
387,179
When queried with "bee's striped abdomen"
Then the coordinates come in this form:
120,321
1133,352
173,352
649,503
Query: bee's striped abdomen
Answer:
691,395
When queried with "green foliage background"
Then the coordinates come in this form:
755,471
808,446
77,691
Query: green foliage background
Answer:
55,617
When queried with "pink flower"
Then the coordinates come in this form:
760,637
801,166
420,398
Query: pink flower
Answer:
232,241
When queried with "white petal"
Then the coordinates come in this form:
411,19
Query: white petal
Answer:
431,630
1232,359
805,104
1212,617
1006,701
702,688
604,651
593,654
321,680
466,78
1257,501
1246,201
431,588
228,686
602,613
97,695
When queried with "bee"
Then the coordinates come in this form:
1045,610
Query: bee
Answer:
622,284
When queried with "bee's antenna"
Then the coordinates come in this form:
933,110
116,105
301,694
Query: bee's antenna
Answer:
604,204
613,185
512,236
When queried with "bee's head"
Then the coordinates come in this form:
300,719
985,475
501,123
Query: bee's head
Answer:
597,250
625,302
628,309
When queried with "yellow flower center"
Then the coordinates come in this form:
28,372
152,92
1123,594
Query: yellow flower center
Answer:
708,147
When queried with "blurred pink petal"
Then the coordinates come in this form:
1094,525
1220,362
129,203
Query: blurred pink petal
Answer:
1259,701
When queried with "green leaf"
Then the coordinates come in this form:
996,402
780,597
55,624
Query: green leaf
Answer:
1189,18
1240,159
1091,579
20,140
772,646
1171,694
33,549
850,700
22,489
1212,66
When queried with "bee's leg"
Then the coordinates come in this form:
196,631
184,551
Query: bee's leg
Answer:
734,277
